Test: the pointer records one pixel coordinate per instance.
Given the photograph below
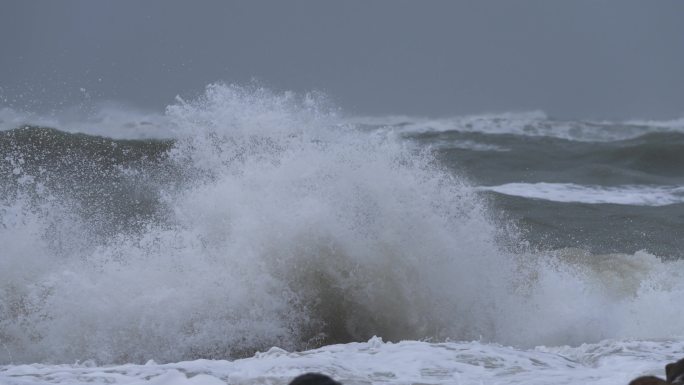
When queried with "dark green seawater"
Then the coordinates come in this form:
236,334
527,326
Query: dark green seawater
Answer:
638,164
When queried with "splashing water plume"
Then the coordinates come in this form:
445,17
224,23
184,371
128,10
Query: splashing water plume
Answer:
280,226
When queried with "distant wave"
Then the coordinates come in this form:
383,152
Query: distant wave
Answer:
120,121
535,123
569,192
104,119
673,124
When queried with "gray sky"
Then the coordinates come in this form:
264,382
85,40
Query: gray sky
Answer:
589,59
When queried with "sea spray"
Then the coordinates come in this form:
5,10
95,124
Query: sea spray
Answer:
268,221
282,228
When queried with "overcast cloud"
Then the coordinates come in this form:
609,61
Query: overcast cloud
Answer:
583,59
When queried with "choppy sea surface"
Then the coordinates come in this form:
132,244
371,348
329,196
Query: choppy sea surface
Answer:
247,236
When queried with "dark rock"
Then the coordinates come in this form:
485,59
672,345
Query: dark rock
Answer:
313,379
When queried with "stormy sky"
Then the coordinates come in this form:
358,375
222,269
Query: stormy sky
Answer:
617,59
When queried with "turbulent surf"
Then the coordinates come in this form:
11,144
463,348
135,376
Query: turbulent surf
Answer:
252,219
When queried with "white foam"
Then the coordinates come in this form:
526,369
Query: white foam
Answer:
673,124
377,362
568,192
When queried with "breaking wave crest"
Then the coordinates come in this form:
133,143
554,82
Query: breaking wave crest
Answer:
568,192
527,124
267,222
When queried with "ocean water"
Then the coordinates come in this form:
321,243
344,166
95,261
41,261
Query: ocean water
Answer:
247,236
